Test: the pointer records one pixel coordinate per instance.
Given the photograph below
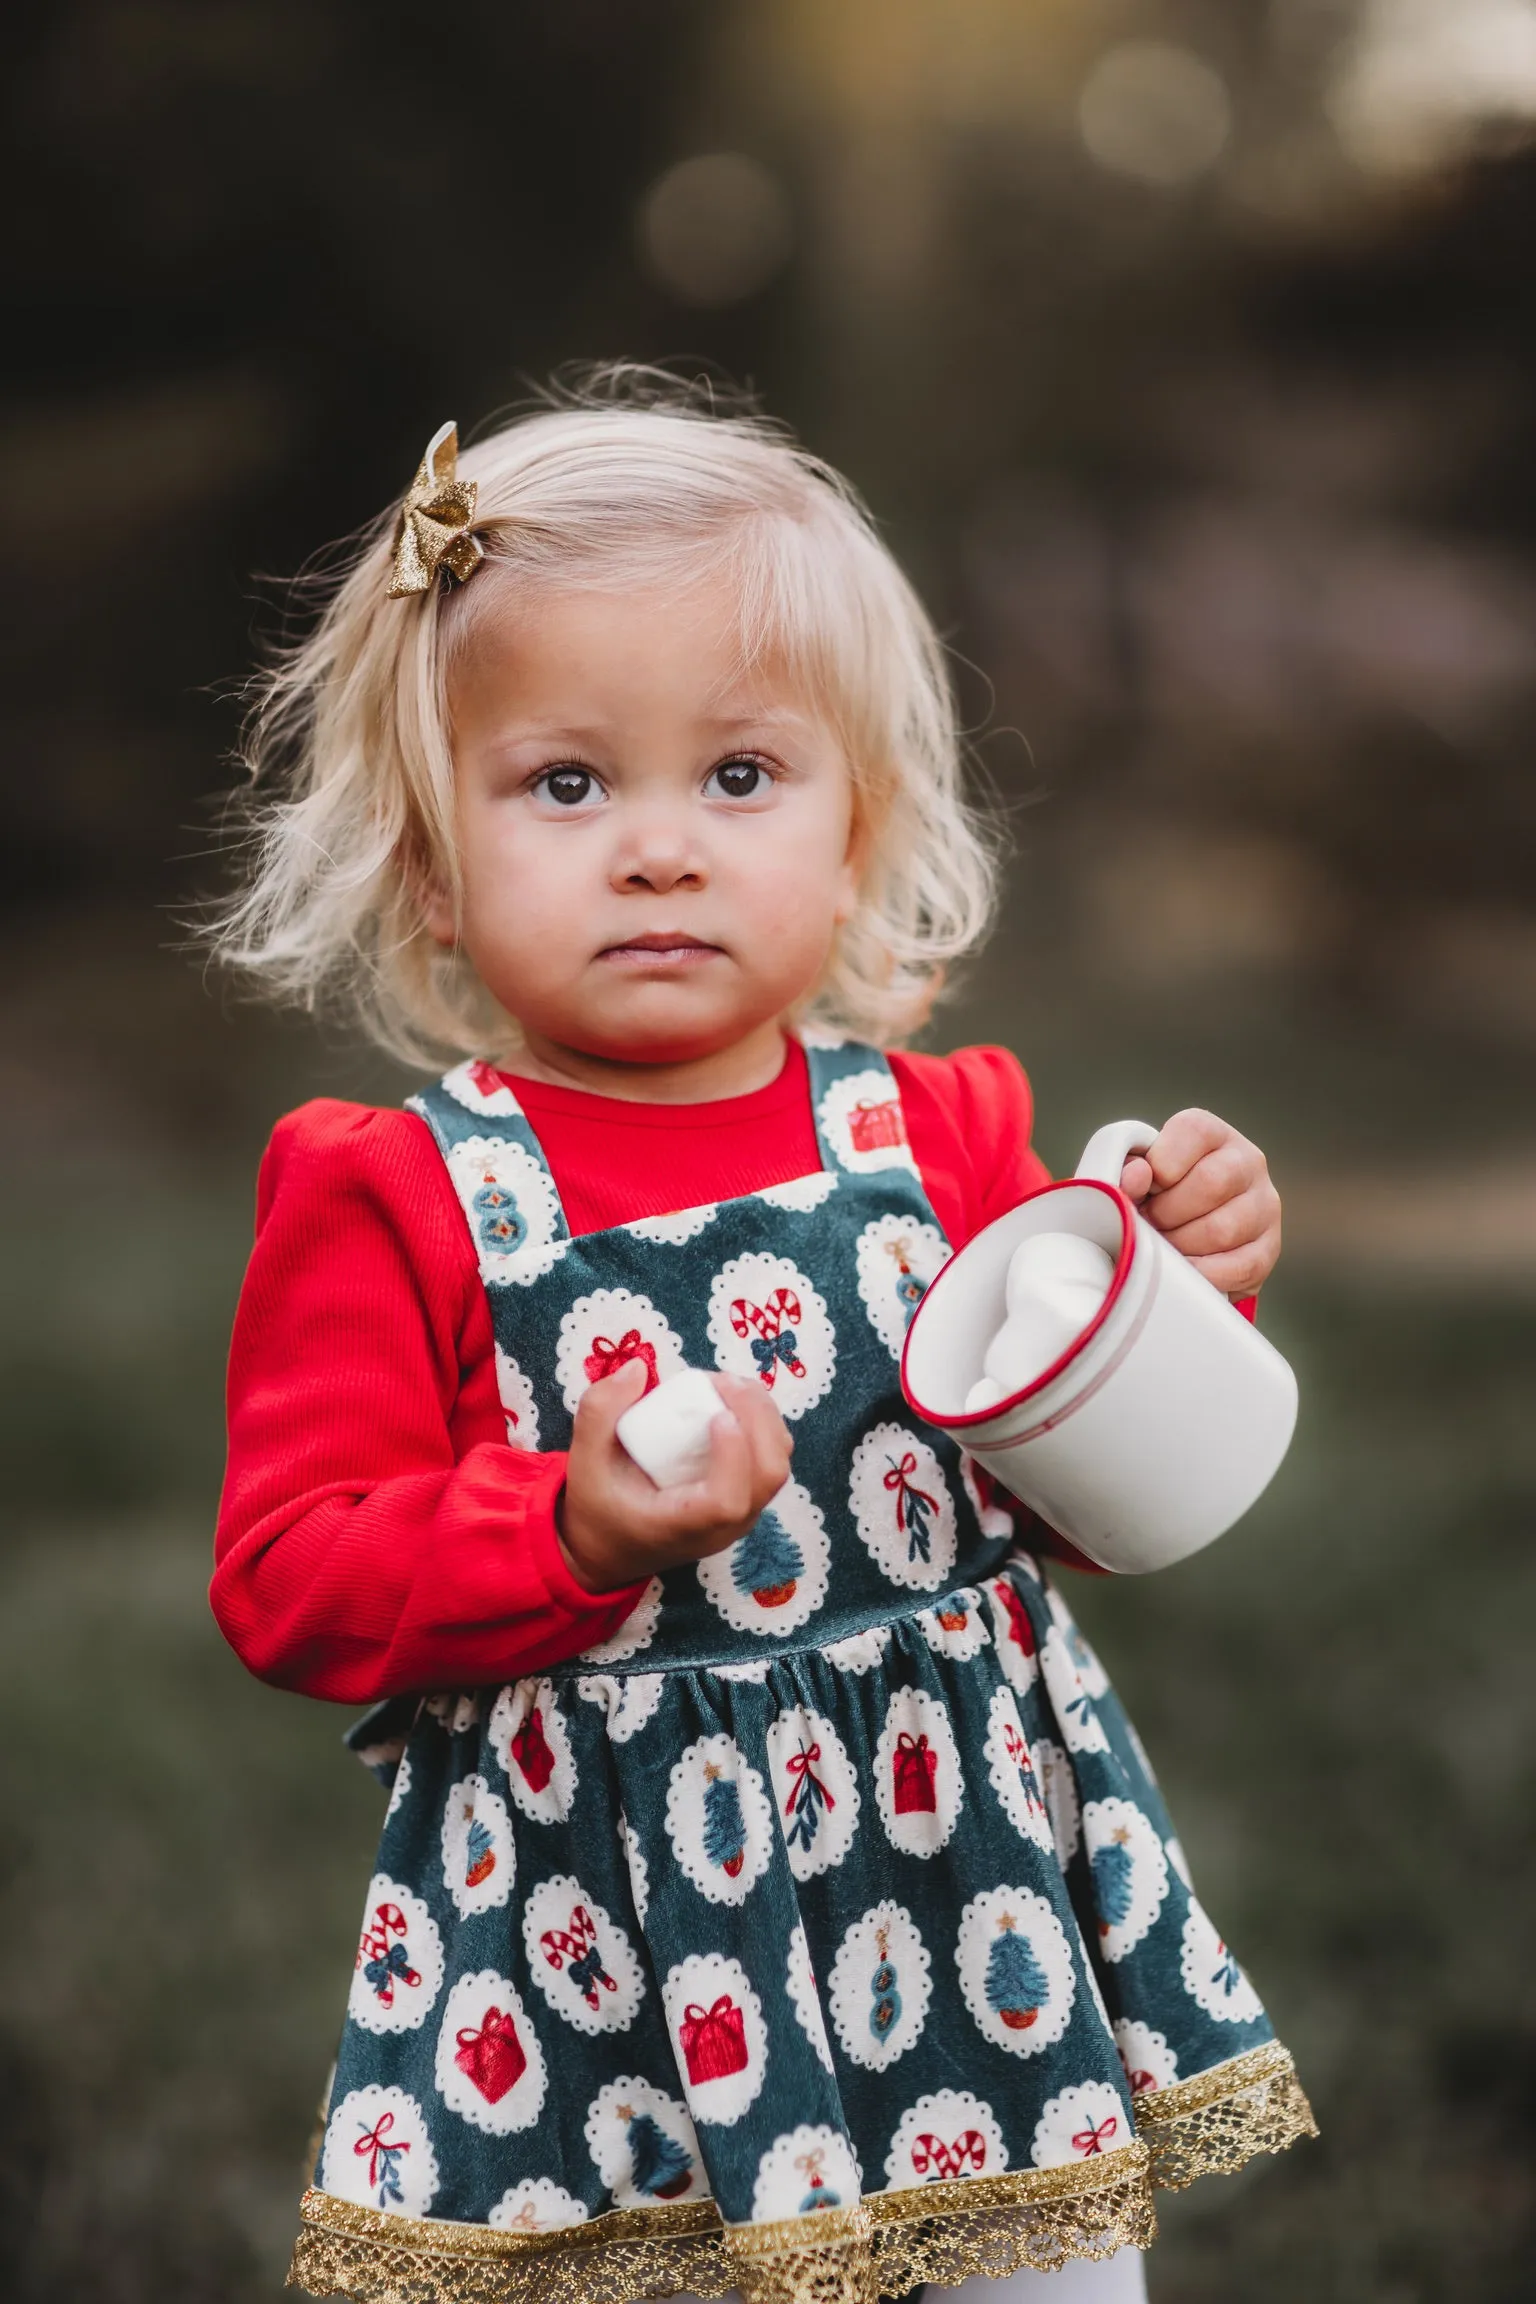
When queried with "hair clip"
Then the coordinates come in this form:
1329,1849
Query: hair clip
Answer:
434,533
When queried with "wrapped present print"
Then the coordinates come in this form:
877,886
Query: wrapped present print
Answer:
607,1357
530,1749
877,1127
714,2041
914,1766
491,2055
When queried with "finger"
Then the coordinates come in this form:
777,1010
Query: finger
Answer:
1180,1142
768,1436
1243,1271
1136,1178
1234,1168
1226,1230
602,1404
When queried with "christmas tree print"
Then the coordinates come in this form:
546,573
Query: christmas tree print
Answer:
658,2164
498,1219
725,1830
1016,1986
808,1797
767,1562
1113,1877
479,1854
885,2007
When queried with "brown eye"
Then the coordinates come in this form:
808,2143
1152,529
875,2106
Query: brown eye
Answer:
569,786
739,780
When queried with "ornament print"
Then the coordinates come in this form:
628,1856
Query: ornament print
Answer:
955,1627
800,1984
943,2137
863,1125
719,1819
719,2037
894,1261
1012,1772
536,2205
880,1988
766,1320
1148,2060
378,2153
918,1786
773,1579
1212,1977
606,1330
644,2145
1013,1634
903,1508
1016,1969
1082,2123
398,1972
489,2067
531,1740
815,1790
479,1865
809,2169
510,1206
581,1960
1129,1871
518,1404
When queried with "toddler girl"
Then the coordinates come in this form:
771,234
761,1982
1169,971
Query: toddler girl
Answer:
772,1893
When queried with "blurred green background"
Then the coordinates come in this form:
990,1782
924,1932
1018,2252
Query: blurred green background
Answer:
1188,351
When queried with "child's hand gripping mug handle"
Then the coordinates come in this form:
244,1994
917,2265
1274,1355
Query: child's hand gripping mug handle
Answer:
1108,1149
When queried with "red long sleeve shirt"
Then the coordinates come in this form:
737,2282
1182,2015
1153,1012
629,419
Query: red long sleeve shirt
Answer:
377,1533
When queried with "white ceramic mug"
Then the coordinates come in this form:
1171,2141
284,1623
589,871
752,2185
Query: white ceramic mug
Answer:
1165,1418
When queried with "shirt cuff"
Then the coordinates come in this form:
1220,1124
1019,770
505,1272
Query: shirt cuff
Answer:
598,1613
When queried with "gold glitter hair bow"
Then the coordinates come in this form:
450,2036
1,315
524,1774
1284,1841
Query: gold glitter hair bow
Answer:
434,532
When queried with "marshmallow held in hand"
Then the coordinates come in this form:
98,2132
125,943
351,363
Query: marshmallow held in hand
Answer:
1056,1283
667,1432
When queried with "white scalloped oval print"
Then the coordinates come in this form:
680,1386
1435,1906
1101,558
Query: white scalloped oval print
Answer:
1082,2123
529,1737
1089,1670
479,1863
518,1404
479,1087
719,1820
536,2205
399,1967
1130,1873
718,2036
918,1785
1016,1969
861,1119
603,1331
802,1194
1212,1977
774,1578
880,1987
895,1259
800,1984
1012,1772
635,1634
1149,2061
580,1958
943,2138
378,2153
629,1700
1013,1634
489,2067
510,1206
675,1229
1070,1700
1058,1782
955,1626
644,2145
815,1790
766,1320
903,1508
808,2168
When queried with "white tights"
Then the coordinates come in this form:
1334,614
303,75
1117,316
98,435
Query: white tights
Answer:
1119,2279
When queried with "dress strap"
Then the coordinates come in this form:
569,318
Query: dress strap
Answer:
860,1125
497,1167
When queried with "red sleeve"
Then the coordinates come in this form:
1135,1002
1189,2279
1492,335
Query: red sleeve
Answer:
377,1534
969,1117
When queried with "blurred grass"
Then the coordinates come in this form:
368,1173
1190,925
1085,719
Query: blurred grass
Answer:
1338,1696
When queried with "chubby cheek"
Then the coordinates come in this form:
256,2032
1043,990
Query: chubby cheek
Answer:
523,916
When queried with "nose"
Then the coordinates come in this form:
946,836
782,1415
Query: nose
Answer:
660,852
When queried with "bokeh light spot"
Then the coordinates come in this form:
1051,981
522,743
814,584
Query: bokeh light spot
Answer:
1154,111
715,229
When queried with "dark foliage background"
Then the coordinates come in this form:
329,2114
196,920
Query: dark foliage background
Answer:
1196,393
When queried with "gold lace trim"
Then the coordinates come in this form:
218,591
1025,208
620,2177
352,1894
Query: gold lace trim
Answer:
1040,2217
1211,2124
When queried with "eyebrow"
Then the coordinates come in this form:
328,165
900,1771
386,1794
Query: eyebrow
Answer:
718,724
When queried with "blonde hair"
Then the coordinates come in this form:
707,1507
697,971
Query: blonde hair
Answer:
350,817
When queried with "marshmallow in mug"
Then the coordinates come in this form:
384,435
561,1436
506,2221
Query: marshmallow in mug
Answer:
1056,1283
667,1432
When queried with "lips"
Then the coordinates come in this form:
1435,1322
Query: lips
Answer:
671,950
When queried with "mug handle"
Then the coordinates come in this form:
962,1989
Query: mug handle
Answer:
1108,1149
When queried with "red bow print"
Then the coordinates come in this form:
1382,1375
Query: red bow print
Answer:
1090,2140
606,1356
377,2147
